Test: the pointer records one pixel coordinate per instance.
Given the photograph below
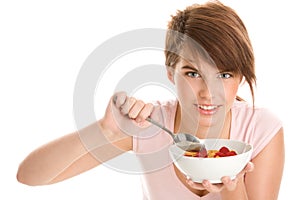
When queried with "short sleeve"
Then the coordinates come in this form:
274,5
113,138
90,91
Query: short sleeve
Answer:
265,126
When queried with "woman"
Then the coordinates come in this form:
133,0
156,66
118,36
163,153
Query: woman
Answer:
208,55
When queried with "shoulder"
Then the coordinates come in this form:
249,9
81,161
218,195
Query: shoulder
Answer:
255,125
243,109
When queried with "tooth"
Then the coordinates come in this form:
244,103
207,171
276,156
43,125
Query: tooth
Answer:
207,107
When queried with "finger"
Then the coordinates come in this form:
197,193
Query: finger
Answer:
248,168
126,107
136,109
229,184
145,112
119,99
212,187
197,186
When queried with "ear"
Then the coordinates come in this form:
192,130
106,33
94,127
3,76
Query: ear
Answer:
170,73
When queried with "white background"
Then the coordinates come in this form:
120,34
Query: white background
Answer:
43,45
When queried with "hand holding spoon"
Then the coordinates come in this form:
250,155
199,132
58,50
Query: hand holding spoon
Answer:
185,141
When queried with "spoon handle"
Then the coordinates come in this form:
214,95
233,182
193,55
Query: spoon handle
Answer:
160,126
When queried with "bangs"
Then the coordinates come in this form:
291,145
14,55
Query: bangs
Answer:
193,51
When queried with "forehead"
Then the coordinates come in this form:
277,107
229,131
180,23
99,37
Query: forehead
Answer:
197,58
196,55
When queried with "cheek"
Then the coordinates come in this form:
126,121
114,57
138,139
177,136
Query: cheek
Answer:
184,88
231,92
179,85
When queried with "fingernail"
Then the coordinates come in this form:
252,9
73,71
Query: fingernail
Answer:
205,183
189,181
225,180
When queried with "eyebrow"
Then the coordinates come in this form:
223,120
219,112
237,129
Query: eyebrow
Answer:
189,67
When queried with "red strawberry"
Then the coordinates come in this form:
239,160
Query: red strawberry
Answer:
231,153
224,150
220,154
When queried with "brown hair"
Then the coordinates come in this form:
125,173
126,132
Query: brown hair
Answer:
219,30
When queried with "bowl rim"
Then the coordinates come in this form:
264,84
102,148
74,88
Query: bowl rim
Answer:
247,149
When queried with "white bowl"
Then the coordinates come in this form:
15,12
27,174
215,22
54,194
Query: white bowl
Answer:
213,169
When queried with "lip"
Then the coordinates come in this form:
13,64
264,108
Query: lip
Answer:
207,109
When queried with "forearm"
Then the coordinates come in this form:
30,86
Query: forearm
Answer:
43,164
68,156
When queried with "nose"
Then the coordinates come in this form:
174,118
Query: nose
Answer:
204,90
209,89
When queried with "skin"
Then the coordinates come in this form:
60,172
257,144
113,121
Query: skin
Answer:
195,82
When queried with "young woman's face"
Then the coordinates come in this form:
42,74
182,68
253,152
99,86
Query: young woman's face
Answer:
205,94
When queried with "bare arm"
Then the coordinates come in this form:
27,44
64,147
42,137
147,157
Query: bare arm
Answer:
67,156
264,182
84,149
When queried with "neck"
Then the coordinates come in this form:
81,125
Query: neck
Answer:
217,130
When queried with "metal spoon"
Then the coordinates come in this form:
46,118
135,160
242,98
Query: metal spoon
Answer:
185,141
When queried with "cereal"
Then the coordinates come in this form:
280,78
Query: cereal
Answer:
222,152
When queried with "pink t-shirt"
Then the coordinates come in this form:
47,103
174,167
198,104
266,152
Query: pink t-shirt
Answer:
160,181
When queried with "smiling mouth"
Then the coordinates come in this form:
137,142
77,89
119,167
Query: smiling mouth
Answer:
207,109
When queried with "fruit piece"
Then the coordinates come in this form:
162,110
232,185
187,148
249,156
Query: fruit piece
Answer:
220,154
231,153
224,150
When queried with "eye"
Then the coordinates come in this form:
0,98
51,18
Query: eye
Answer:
193,74
225,75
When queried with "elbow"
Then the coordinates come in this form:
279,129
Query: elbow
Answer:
20,179
26,177
23,180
